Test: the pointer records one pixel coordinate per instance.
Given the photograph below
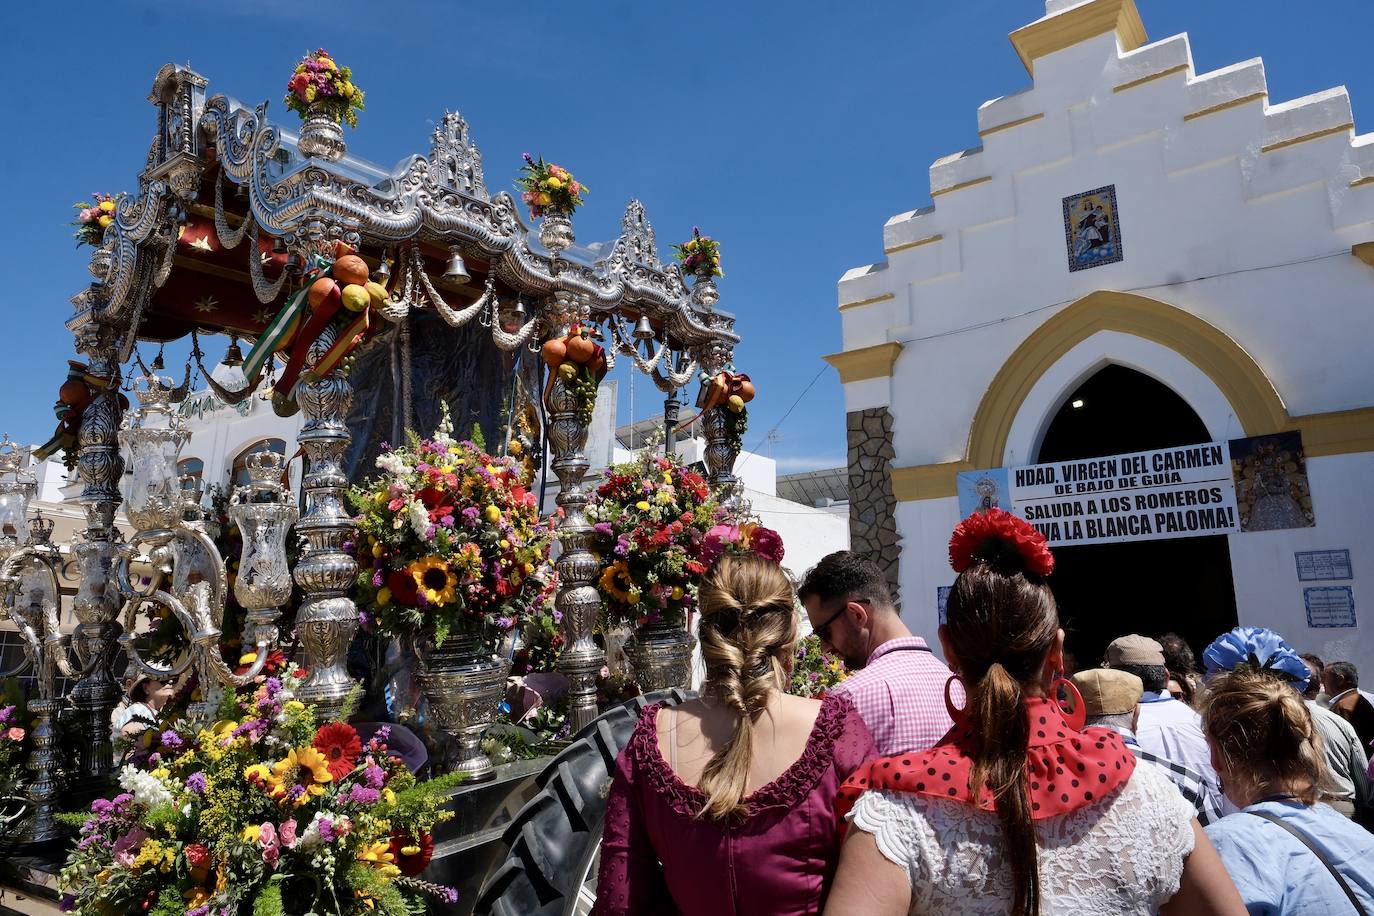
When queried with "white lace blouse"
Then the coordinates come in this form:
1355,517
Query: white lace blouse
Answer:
1122,854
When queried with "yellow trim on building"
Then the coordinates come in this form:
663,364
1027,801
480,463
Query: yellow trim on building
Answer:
858,302
1240,379
1010,124
927,481
1078,24
919,242
960,186
1181,68
865,363
1364,251
1225,106
1315,135
1361,182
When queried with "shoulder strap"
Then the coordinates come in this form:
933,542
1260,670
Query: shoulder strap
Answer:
1302,838
672,738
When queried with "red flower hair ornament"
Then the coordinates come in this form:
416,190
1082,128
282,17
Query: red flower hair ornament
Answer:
993,535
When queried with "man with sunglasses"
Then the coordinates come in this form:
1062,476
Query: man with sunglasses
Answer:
895,681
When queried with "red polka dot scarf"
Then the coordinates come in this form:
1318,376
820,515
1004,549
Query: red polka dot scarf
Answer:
1065,769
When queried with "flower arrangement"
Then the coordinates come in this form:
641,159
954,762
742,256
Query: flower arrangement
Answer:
549,189
996,535
732,391
266,813
12,751
699,255
815,671
541,637
450,538
320,85
92,219
651,517
580,362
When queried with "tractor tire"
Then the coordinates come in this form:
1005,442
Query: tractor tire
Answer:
555,838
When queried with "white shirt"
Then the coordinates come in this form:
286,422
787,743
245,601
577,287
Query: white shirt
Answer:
1346,762
1122,854
1171,729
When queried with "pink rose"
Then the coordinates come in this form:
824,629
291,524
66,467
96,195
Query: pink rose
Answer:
271,846
766,543
287,833
126,847
16,734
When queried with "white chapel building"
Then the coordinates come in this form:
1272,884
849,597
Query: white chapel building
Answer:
1136,259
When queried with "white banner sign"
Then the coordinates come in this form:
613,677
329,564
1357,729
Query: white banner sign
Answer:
1165,493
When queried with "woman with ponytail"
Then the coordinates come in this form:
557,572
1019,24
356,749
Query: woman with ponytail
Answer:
725,804
1287,852
1019,809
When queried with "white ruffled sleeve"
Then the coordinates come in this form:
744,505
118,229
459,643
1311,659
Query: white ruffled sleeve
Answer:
892,821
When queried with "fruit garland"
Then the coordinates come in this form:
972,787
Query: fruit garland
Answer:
335,291
76,394
732,391
580,362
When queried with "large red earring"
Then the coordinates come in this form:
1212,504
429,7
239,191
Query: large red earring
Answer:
956,714
1078,715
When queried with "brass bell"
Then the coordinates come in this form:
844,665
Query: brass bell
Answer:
644,330
233,356
383,271
457,271
158,365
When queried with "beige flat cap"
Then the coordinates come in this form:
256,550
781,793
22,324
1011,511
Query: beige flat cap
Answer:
1107,692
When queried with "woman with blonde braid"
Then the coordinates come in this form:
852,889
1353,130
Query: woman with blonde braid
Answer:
732,793
1019,809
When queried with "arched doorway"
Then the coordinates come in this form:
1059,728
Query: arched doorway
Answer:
1104,591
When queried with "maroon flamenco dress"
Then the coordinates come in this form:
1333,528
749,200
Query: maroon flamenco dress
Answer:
658,857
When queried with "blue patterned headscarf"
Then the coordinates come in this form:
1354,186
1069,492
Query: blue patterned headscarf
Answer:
1256,649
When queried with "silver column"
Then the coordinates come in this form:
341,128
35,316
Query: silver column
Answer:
578,600
327,618
97,601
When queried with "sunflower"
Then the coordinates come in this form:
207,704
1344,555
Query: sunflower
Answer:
434,579
303,766
340,745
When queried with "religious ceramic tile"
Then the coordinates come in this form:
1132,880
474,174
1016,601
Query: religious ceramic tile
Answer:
1272,492
1091,230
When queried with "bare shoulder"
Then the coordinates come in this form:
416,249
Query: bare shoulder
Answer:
798,710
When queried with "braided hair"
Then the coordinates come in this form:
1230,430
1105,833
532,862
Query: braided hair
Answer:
748,634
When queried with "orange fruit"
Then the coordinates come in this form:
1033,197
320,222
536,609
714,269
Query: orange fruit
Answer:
351,269
321,290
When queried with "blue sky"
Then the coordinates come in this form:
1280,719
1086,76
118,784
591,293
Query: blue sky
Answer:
790,132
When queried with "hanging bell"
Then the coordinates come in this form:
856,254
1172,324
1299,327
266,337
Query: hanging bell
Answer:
158,365
233,356
383,271
457,271
279,245
644,330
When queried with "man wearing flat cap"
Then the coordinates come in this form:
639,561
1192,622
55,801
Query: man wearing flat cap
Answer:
1165,727
1111,699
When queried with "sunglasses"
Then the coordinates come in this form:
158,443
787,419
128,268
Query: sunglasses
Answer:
823,631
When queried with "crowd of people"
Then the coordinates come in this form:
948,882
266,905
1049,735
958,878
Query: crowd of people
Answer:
995,781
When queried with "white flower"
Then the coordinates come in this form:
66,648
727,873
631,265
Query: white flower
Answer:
146,788
418,516
393,463
310,837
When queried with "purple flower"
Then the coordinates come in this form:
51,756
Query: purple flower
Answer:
448,894
373,776
67,904
603,528
196,783
327,830
377,580
172,741
363,795
470,517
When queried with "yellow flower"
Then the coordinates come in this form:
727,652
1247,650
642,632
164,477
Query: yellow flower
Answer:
642,505
107,205
389,797
543,199
160,773
664,497
196,896
294,706
261,772
632,596
554,183
248,658
249,834
493,514
434,579
380,857
667,476
105,221
383,595
310,93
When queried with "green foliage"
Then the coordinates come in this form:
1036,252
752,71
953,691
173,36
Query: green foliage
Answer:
478,439
269,901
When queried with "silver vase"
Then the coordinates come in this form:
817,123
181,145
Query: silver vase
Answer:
464,684
661,653
556,232
321,136
99,265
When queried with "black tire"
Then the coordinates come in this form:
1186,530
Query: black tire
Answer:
555,837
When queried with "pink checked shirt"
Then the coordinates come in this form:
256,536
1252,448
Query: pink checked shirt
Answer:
900,695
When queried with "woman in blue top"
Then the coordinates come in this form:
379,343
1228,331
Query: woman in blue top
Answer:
1268,755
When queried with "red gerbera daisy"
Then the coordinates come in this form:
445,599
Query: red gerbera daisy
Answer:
341,746
420,852
404,591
